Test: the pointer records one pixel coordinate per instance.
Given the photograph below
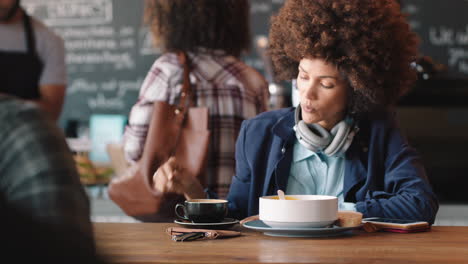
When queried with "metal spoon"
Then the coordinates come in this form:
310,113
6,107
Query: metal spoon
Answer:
281,195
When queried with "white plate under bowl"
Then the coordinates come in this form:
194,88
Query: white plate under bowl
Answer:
298,224
332,231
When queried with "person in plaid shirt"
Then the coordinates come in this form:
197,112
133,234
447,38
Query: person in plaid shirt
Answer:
45,209
230,89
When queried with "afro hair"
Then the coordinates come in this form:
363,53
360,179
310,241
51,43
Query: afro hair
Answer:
369,42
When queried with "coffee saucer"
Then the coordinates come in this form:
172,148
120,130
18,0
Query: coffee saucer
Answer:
225,224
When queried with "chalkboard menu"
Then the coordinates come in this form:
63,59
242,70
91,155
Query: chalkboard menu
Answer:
109,49
108,52
443,29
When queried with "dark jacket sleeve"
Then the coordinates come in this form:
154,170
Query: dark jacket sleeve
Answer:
404,192
240,185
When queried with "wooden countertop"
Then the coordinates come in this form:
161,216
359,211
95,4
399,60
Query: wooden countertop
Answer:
148,243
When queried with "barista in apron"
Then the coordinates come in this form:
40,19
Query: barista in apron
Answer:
21,71
30,74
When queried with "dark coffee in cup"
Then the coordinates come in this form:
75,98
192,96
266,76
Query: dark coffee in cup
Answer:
203,210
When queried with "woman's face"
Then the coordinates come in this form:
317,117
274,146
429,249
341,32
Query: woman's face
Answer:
322,93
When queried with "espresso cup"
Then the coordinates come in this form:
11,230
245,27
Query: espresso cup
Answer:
203,210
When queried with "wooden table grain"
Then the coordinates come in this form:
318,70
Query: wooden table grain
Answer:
148,243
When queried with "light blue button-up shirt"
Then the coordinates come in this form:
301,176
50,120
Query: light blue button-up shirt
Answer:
317,173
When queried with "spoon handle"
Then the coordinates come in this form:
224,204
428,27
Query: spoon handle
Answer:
281,195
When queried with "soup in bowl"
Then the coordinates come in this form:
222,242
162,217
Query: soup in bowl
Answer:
299,211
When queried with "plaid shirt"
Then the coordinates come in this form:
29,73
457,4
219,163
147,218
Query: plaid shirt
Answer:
231,90
38,177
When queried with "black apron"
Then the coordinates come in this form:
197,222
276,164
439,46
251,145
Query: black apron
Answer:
20,71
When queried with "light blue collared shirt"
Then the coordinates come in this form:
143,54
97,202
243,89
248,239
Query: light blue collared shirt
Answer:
317,173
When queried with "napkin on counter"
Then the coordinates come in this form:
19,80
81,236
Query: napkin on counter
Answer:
189,234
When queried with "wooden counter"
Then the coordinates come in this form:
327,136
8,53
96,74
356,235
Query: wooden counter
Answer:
148,243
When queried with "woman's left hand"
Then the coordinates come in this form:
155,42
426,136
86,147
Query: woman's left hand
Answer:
171,177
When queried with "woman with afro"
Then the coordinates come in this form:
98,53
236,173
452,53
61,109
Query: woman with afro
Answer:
351,60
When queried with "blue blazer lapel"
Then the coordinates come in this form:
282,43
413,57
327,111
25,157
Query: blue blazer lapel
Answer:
280,156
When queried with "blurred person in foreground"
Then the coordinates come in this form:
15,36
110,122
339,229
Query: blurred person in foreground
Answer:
213,34
352,61
32,59
45,210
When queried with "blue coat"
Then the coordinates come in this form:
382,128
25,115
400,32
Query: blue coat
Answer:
384,176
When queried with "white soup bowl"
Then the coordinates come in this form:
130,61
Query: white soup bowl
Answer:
298,211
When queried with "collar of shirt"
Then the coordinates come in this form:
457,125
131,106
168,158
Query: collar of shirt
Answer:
301,153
